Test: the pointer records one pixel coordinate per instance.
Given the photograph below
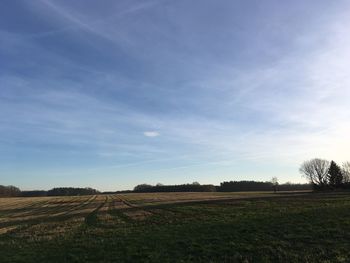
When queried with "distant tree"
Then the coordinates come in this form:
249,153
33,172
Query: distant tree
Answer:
315,171
33,193
346,172
274,182
335,175
142,187
196,183
145,188
294,187
9,191
71,191
238,186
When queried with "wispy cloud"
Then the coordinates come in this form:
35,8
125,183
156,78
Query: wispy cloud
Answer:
96,26
151,133
209,93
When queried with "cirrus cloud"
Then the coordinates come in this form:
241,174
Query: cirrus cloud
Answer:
151,133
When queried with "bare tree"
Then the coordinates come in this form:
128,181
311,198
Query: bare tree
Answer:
346,172
316,171
274,182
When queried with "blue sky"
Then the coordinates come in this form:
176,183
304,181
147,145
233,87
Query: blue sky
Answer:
110,94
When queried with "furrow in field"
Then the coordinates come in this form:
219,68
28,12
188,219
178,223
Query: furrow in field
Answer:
156,199
132,211
21,204
43,209
54,224
65,206
61,214
82,202
115,210
55,205
23,212
5,203
105,216
92,218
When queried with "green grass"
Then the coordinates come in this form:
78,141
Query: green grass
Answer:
309,228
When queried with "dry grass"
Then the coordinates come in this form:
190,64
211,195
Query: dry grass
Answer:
149,199
191,227
17,214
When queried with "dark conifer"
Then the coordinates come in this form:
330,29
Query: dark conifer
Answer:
335,175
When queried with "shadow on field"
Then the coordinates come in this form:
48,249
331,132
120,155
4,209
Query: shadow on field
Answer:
90,208
91,218
278,197
54,214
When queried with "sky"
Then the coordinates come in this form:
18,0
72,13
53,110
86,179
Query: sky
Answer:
111,94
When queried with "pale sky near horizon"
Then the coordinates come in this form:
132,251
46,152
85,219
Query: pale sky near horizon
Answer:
110,94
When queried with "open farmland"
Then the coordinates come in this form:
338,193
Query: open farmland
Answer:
177,227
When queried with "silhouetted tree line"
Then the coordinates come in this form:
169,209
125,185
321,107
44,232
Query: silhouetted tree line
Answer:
11,191
294,187
65,191
238,186
232,186
8,191
325,175
33,193
117,192
194,187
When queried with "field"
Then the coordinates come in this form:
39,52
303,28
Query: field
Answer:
177,227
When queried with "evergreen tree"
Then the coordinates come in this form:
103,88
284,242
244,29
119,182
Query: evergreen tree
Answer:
335,175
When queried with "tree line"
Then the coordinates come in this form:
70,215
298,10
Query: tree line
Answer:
326,175
9,191
246,186
231,186
194,187
12,191
67,191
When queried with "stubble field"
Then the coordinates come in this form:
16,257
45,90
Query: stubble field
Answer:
177,227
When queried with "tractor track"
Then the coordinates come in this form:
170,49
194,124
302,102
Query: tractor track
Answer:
91,219
25,224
